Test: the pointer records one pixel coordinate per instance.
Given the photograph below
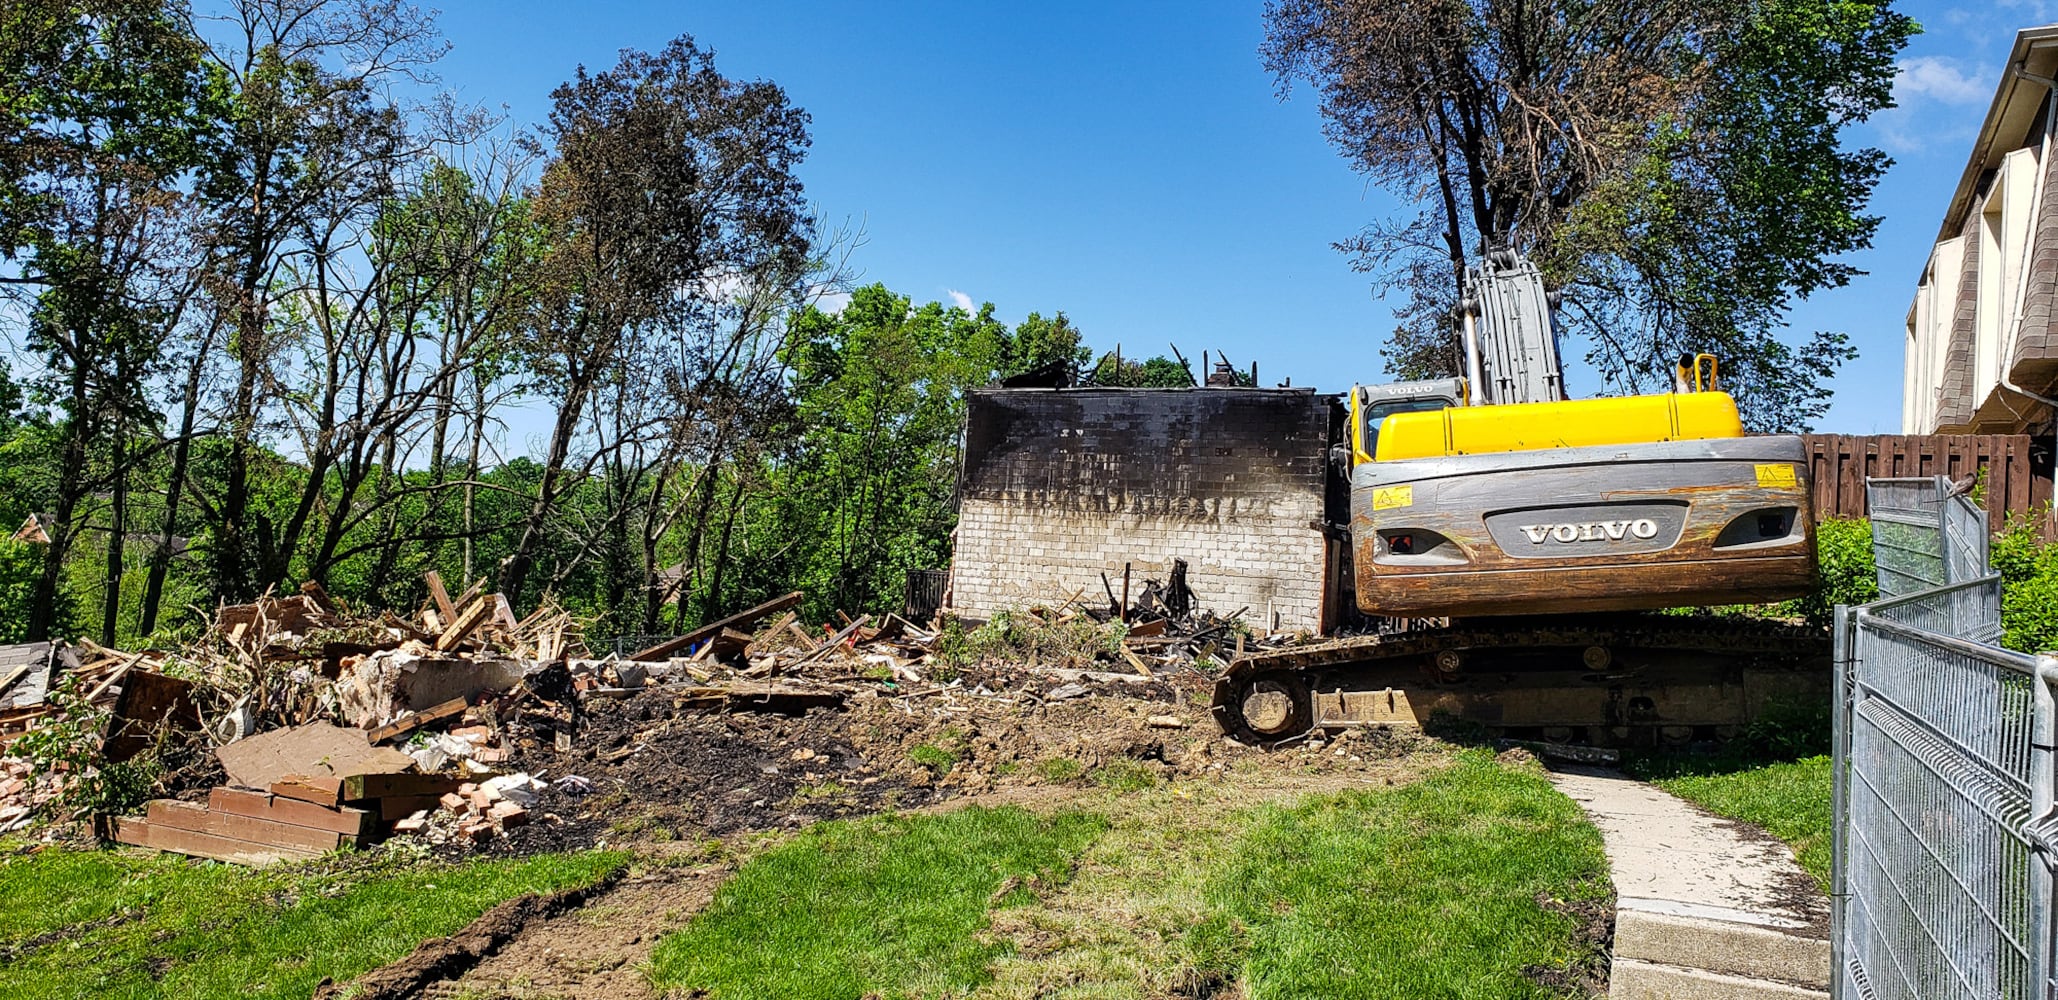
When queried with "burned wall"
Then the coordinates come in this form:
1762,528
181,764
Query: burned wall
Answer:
1062,485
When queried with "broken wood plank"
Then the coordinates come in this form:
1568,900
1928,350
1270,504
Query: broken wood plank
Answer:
1137,662
364,787
468,621
315,789
503,613
741,619
142,833
198,818
280,809
440,595
415,720
773,631
833,641
1148,629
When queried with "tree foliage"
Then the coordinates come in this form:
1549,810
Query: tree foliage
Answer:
1676,167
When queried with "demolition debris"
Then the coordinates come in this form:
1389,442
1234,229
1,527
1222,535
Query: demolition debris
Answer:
296,726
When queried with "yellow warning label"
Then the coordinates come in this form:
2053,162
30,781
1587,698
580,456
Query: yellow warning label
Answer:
1776,476
1390,497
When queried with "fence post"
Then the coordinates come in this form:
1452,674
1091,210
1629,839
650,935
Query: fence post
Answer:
1844,665
2041,800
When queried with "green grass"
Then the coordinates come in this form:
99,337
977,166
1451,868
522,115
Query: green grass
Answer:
890,906
85,923
1124,775
1428,890
1790,800
1060,769
936,758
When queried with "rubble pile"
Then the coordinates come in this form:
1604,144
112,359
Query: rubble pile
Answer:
469,727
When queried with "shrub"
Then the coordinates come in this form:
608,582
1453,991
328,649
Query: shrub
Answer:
1843,553
2029,585
1016,637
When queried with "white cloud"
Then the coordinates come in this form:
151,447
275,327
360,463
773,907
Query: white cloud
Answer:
1934,78
963,301
1931,97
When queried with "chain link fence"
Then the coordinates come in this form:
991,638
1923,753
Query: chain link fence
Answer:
1942,885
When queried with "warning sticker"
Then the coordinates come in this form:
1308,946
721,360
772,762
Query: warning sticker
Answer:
1390,497
1775,476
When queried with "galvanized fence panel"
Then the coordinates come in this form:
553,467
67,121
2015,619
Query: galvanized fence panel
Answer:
1942,886
1924,534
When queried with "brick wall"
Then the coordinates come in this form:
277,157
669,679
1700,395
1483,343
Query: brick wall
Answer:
1062,485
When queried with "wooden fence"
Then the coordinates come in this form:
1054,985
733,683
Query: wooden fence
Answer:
2016,483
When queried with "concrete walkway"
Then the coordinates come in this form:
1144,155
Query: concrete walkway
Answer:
1705,909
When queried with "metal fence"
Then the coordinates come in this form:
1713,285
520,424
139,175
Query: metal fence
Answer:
1942,886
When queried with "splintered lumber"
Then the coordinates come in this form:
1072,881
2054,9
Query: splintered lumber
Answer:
503,613
833,641
742,619
149,703
415,720
730,642
13,675
143,833
1137,662
468,621
1147,629
440,595
770,633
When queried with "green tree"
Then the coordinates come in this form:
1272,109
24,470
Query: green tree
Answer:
1158,372
1676,167
880,392
103,127
1037,342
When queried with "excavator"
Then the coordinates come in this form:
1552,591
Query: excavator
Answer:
1526,554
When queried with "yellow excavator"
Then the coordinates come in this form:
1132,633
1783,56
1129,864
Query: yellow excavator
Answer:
1508,537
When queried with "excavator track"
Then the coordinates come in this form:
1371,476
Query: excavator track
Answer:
1603,680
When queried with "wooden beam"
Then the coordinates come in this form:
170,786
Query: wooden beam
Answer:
474,615
741,619
440,594
415,720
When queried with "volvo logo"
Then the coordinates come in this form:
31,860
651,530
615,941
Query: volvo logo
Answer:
1591,531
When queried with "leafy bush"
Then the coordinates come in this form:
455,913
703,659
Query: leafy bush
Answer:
1016,637
2029,585
1843,553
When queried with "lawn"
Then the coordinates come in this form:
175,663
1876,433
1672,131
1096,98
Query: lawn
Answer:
1453,886
1790,800
123,924
891,906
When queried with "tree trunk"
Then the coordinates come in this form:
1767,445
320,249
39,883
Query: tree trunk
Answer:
117,534
160,560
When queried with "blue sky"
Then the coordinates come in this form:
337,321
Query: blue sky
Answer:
1132,165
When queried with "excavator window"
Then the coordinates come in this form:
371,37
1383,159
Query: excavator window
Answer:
1377,413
